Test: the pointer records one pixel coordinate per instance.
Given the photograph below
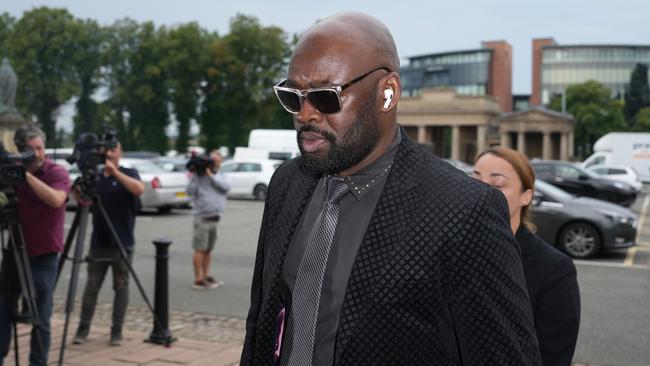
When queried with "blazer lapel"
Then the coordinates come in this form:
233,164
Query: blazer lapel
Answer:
386,229
281,229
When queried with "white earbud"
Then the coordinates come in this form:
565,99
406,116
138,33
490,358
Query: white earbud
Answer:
388,96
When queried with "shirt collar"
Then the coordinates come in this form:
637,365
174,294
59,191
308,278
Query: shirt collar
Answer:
362,182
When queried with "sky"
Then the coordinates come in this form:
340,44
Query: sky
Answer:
418,27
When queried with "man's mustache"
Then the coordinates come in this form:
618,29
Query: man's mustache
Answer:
311,128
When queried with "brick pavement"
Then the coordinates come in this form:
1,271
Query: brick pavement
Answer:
203,339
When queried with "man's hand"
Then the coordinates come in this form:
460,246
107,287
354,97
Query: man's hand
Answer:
110,168
209,171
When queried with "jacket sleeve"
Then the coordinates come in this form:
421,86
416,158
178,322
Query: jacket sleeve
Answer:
220,182
248,350
488,299
558,312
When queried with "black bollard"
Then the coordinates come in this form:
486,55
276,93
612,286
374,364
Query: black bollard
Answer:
160,333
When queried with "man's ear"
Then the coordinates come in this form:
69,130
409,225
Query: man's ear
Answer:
391,90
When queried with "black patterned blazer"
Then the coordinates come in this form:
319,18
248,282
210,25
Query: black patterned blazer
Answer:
437,280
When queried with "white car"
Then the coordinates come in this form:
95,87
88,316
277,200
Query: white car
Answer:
163,191
249,177
618,172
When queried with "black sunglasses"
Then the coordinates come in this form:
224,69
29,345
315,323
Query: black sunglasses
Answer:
325,99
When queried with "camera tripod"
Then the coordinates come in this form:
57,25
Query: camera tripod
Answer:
14,245
80,224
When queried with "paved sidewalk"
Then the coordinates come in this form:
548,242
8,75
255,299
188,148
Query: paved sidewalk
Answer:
203,339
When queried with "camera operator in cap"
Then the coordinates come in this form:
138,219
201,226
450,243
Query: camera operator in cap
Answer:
41,213
208,187
118,188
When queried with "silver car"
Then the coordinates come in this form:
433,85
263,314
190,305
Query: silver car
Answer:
164,190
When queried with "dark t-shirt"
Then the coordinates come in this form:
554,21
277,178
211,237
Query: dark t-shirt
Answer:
121,207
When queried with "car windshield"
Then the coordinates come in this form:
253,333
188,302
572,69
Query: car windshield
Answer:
551,191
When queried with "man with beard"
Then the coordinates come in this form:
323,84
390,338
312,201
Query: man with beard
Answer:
373,251
41,213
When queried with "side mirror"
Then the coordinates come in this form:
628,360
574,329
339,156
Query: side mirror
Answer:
537,198
583,177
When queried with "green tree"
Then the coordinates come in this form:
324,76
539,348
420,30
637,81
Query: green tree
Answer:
149,105
187,57
595,111
122,40
642,120
87,66
245,64
41,47
638,93
7,23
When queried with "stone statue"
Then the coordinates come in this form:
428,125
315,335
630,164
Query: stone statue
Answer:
8,85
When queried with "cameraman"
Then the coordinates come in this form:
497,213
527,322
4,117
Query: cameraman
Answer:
41,213
208,187
118,188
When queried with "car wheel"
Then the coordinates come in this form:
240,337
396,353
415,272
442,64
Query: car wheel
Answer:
580,240
607,196
259,192
164,209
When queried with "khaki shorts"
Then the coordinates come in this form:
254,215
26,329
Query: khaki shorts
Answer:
205,235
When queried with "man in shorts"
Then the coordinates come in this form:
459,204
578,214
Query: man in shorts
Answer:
208,190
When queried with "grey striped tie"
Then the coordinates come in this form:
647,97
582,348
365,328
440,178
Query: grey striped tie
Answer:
305,298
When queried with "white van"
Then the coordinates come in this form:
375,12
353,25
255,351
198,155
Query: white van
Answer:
623,148
280,144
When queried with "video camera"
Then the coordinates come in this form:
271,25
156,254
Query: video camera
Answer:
199,163
12,174
12,167
88,154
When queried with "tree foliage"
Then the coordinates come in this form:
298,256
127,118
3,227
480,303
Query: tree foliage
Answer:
138,77
185,63
595,111
642,120
41,48
638,94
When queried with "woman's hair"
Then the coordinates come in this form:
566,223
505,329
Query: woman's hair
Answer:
525,172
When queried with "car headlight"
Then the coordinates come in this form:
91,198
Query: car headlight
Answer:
619,185
617,218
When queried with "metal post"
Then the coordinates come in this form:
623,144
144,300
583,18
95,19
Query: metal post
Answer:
160,333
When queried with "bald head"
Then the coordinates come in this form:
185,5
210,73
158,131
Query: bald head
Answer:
360,37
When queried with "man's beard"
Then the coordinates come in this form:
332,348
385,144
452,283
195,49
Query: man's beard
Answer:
354,145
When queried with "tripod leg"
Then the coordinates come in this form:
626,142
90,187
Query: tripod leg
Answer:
24,270
68,244
125,258
74,277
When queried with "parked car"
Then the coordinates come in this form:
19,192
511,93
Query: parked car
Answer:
581,226
249,178
163,190
576,180
621,173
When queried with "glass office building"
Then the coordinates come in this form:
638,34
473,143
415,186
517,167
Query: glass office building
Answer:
611,65
468,72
